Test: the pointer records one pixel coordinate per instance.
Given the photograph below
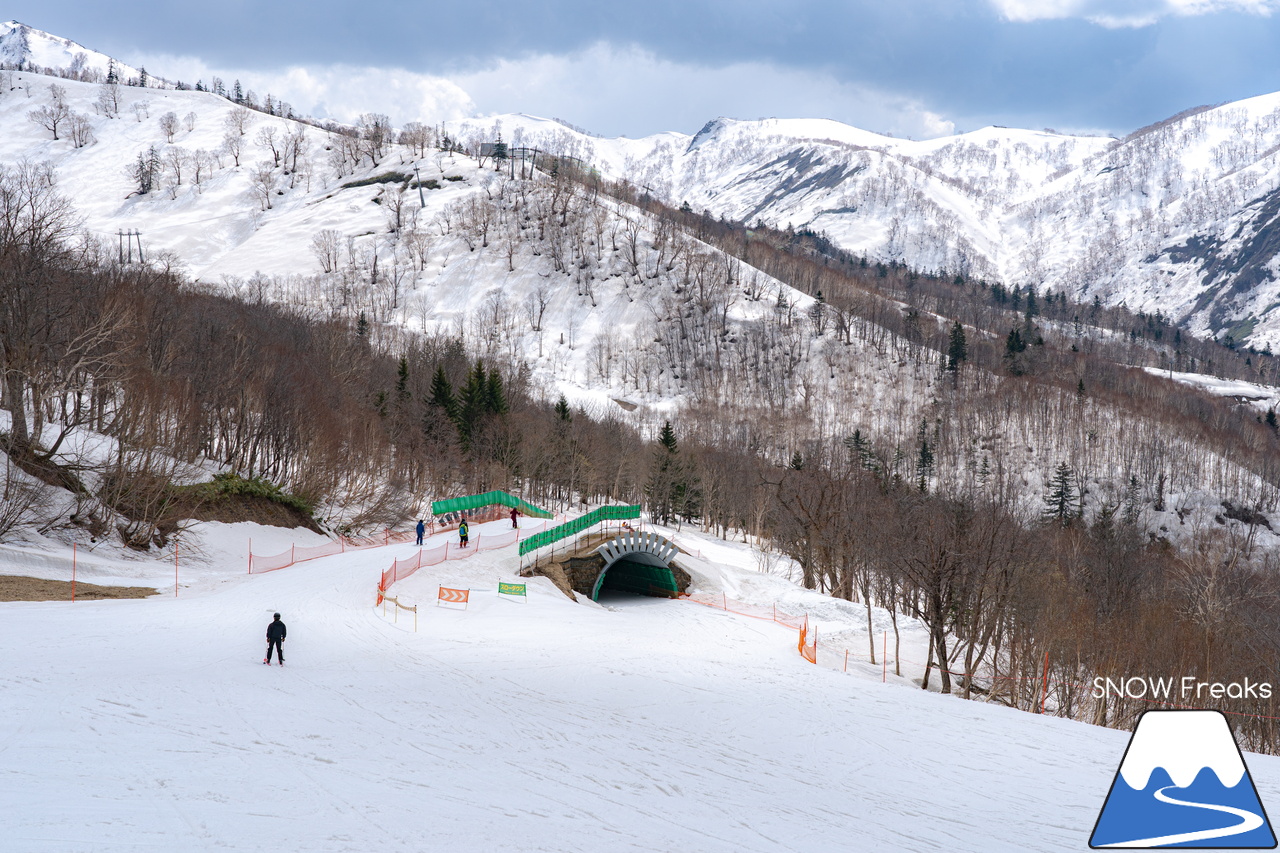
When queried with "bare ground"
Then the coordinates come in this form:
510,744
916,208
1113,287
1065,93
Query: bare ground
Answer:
18,588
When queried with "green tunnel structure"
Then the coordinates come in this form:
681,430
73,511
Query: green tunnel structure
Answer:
638,563
474,502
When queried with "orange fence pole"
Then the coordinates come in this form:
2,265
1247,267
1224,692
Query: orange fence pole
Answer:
175,568
884,658
250,555
73,571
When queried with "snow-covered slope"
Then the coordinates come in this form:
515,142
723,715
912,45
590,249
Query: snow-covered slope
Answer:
25,47
604,303
1175,218
645,725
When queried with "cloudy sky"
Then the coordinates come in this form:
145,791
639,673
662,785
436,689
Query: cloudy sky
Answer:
918,68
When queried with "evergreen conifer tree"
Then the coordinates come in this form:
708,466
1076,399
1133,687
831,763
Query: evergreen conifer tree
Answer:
667,487
958,348
495,397
1014,346
1132,501
924,465
473,404
442,393
402,379
1059,498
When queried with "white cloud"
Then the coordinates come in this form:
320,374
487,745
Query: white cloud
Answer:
628,91
341,92
1126,13
606,89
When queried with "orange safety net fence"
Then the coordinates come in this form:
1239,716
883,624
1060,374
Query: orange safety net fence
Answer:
401,569
832,656
301,553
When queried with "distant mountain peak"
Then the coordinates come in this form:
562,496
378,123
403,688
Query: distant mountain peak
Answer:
708,132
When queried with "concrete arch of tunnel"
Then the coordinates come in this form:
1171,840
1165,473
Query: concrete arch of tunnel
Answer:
641,564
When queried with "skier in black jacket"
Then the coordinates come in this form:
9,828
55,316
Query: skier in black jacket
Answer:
275,638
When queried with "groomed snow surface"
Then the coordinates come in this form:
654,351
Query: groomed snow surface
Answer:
544,725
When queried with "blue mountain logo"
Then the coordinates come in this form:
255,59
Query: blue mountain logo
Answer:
1183,783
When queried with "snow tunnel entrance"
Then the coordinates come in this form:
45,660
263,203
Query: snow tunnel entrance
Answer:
639,564
637,578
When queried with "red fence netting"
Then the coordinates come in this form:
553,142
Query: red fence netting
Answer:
401,569
301,553
498,540
270,564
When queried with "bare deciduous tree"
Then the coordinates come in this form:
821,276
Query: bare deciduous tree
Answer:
266,138
108,103
51,116
233,144
237,121
327,247
80,130
169,125
263,183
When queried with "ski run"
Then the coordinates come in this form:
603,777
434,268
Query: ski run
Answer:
539,725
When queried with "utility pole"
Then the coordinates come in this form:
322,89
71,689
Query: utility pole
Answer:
421,198
124,246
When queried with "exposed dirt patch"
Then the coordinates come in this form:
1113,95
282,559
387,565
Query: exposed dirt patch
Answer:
19,588
230,509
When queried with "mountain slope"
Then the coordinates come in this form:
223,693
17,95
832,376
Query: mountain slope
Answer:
27,48
1176,218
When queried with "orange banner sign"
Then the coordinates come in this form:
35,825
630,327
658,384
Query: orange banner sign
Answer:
454,596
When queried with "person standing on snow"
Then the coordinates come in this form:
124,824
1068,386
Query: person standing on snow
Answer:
514,514
463,531
422,528
275,639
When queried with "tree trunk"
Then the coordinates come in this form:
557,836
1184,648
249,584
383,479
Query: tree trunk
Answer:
15,402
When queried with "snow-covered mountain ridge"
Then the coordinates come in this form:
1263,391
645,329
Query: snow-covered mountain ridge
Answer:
26,48
1175,218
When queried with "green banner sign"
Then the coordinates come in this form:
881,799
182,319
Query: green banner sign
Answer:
511,588
571,528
